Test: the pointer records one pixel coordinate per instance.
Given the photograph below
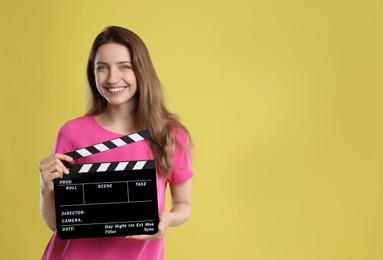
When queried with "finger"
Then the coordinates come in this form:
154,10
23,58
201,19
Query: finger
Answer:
140,237
156,236
64,167
53,172
47,182
55,156
57,165
161,226
55,159
53,168
63,157
164,221
50,177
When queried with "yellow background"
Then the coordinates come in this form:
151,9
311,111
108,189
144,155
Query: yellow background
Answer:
283,99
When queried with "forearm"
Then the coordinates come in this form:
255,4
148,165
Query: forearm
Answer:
47,209
50,168
180,213
181,203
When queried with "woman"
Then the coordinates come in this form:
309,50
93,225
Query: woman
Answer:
125,97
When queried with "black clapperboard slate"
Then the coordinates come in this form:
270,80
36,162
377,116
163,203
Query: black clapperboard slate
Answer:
107,199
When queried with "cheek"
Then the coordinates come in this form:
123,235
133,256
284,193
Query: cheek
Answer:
98,79
132,78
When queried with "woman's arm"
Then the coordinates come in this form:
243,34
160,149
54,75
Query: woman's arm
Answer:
50,168
181,203
47,209
179,213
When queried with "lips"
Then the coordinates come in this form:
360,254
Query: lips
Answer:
116,90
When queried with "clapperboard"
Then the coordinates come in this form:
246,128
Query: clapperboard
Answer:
109,198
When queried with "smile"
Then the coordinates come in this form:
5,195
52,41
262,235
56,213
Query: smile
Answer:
116,89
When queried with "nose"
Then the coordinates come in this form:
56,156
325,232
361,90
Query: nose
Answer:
113,76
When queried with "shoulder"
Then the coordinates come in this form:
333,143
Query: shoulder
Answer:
72,132
76,126
77,123
182,137
182,162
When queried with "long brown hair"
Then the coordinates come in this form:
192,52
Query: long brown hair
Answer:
150,112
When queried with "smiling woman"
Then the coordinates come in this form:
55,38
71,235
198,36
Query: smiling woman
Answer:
125,97
115,78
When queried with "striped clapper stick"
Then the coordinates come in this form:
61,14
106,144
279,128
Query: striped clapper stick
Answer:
108,198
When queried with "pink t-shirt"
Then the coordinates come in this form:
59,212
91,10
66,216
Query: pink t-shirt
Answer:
85,131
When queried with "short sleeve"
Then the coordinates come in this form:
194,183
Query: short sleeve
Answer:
63,143
182,163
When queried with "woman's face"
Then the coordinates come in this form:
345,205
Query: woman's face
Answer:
115,79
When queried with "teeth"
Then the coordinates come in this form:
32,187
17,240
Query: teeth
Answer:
116,89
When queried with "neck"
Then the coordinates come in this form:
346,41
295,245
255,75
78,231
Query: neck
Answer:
118,119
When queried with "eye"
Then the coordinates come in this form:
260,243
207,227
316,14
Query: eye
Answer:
101,68
125,67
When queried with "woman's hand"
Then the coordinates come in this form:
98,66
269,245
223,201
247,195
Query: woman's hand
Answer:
52,168
179,213
165,218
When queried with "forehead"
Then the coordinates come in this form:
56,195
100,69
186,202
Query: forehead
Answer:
112,52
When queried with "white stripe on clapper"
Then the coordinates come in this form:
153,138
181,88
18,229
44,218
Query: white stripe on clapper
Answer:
103,167
121,166
84,152
101,147
118,142
139,165
136,137
85,168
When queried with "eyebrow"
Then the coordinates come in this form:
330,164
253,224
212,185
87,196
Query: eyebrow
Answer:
120,62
